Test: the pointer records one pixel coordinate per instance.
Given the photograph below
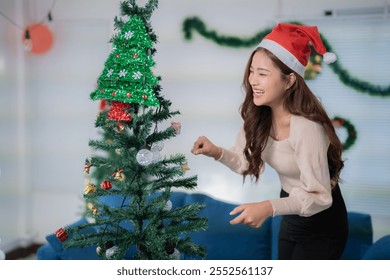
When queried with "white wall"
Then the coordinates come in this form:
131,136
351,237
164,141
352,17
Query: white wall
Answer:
46,117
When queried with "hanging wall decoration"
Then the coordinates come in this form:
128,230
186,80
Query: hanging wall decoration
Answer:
339,122
37,38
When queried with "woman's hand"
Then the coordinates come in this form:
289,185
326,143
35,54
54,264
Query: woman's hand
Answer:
252,214
203,146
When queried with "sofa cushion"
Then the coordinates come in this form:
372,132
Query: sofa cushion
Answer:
380,250
359,236
224,241
47,252
275,227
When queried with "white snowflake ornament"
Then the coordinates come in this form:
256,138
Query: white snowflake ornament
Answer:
128,35
109,73
137,75
122,73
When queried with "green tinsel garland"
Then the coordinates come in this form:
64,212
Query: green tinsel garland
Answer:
352,134
195,24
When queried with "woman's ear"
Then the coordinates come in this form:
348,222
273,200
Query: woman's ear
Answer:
291,78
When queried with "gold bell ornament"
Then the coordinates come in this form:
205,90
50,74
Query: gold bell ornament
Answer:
118,175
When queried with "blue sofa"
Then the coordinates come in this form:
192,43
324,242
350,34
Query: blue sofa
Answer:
239,242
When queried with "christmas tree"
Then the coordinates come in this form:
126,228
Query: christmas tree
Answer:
127,166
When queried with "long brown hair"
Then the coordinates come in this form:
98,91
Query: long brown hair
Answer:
298,100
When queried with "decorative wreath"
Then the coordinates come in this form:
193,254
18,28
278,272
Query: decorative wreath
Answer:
339,122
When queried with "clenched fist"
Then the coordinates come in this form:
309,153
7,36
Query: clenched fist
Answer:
203,146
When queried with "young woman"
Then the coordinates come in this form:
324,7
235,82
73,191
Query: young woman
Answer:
286,127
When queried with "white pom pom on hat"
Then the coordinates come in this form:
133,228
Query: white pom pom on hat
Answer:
290,43
329,57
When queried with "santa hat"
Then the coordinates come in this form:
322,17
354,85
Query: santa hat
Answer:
290,43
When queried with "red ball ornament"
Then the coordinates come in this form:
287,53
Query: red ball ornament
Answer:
38,38
106,185
61,234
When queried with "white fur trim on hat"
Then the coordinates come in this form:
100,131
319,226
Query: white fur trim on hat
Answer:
329,57
284,55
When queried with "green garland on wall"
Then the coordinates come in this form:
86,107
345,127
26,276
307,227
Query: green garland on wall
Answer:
196,24
339,122
190,25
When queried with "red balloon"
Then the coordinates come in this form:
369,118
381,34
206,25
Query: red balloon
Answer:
41,38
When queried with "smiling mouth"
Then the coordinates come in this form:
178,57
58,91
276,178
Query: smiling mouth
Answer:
258,92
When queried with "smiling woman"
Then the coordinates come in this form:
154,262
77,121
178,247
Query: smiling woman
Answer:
57,109
286,126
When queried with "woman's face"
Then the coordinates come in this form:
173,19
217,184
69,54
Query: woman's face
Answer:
266,81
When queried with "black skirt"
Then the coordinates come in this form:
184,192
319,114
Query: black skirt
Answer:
322,236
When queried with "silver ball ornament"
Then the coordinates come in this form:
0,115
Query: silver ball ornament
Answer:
99,250
144,157
168,206
157,146
175,255
111,251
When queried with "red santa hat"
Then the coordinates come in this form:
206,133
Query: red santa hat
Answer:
290,43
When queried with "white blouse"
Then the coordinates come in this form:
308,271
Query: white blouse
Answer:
301,162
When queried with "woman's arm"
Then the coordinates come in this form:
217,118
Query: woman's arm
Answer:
232,157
